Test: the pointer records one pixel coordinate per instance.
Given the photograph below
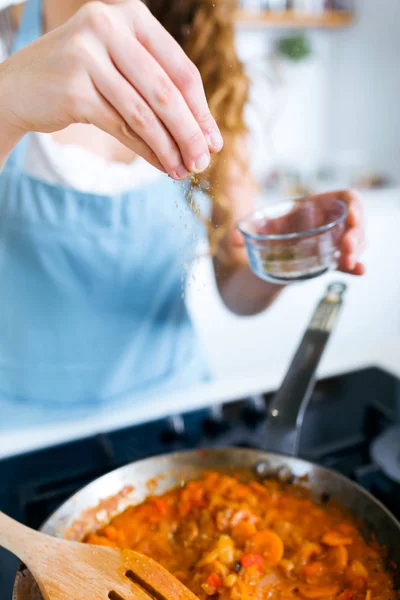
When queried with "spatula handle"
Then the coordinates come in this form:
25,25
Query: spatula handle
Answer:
17,538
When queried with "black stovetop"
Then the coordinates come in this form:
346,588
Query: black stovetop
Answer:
345,414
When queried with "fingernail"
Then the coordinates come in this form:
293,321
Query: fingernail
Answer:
181,172
214,140
201,163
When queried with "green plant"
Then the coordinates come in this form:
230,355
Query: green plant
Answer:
294,47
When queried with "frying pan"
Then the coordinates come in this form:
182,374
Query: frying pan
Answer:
94,505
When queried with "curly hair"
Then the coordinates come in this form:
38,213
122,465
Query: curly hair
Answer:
205,31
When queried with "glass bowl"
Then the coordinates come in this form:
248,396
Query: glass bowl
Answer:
295,240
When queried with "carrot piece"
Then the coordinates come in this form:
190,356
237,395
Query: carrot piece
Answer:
338,558
243,531
269,545
317,591
334,538
192,496
313,570
272,515
309,550
111,533
248,560
100,540
354,581
368,595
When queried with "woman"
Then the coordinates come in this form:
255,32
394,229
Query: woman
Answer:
93,239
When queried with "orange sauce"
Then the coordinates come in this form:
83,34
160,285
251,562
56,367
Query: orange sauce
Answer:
237,539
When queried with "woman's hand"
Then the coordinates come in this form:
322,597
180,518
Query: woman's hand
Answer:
353,241
242,291
113,65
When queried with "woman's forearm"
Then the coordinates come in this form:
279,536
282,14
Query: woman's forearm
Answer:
242,292
10,135
8,140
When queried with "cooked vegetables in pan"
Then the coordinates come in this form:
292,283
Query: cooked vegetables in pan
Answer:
240,539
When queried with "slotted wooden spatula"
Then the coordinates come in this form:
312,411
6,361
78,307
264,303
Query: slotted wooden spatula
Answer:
73,571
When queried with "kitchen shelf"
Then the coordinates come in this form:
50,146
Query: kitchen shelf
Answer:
333,19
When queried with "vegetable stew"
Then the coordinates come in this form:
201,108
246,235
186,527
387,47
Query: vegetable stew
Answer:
235,538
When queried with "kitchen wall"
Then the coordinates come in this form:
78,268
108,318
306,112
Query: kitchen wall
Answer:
297,111
364,85
341,106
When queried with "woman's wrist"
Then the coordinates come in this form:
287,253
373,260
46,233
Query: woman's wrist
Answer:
241,290
10,133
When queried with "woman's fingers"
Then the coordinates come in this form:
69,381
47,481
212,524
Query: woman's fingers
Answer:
163,97
151,87
138,116
94,69
182,72
105,117
353,242
237,239
359,269
348,265
166,108
353,245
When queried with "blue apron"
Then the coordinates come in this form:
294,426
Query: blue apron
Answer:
92,290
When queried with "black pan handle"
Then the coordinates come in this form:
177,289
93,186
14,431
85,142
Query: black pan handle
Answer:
286,412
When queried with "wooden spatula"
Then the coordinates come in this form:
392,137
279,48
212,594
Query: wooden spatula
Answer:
73,571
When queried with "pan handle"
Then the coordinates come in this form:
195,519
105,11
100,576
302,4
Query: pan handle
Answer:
286,412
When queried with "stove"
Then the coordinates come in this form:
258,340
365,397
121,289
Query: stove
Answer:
345,415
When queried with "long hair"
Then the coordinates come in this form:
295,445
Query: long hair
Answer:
205,31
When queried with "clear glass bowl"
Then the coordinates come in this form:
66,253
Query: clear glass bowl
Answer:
295,240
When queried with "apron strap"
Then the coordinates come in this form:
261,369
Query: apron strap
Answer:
30,29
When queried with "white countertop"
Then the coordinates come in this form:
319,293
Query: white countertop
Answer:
251,355
381,353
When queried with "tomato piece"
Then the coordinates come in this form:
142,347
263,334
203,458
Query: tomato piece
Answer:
248,560
345,595
192,496
214,581
161,505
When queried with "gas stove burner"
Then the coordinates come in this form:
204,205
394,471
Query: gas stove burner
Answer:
385,452
340,424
